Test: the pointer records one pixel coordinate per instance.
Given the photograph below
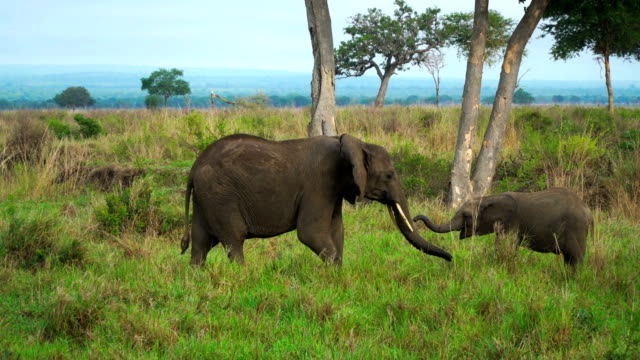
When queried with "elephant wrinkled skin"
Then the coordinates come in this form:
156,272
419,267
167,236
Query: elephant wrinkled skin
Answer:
555,220
248,187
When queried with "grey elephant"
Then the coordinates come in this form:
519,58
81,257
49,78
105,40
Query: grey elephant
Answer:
555,220
247,187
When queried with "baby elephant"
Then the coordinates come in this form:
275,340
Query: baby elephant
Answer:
554,220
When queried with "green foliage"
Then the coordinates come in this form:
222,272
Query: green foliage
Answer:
522,97
630,140
60,129
89,127
152,101
138,209
166,83
73,97
458,28
125,210
32,242
198,131
421,177
387,43
602,27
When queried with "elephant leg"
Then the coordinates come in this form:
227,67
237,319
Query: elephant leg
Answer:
234,247
337,232
317,236
201,241
573,250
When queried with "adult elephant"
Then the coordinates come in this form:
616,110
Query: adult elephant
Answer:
248,187
555,220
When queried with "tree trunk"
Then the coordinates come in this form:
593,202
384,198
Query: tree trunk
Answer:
382,91
488,157
323,88
436,80
461,186
607,76
166,100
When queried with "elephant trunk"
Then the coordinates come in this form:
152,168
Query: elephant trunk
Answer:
444,228
401,216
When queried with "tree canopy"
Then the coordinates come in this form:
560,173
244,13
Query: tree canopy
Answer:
73,97
166,83
523,97
604,27
457,29
387,43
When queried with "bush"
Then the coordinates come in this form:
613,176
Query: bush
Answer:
136,209
153,102
89,128
60,129
31,242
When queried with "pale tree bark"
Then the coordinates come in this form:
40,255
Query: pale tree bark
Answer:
607,76
492,143
323,88
461,186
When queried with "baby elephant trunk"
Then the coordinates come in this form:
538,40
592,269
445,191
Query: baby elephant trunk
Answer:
444,228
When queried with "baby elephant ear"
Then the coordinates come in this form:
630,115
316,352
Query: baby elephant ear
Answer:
352,150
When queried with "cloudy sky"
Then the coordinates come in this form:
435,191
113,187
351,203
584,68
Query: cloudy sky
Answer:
249,34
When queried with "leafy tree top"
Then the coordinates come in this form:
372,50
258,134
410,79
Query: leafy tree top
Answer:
457,29
74,96
604,27
522,97
387,43
166,83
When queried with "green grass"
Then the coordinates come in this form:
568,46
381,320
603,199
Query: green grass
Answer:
130,294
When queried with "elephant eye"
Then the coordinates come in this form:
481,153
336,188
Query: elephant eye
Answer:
389,176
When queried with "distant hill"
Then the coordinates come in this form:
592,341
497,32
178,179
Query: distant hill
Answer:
42,82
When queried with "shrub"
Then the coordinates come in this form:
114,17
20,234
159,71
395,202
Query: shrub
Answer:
89,128
153,102
31,242
136,209
199,133
60,129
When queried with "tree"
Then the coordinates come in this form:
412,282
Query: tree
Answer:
522,97
462,186
166,83
458,32
482,43
73,97
386,43
433,61
558,99
152,102
323,81
604,27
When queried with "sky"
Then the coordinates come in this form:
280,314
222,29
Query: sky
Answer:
250,34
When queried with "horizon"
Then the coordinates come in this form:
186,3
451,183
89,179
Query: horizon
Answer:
254,36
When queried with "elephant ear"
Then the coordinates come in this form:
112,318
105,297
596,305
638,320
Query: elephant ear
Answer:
497,209
352,150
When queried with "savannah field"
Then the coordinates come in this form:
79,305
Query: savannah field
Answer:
91,210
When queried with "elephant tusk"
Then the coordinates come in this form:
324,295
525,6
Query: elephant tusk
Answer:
393,218
404,217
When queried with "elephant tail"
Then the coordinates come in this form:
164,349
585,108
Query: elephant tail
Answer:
186,237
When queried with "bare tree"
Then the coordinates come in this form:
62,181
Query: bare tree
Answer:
323,81
433,62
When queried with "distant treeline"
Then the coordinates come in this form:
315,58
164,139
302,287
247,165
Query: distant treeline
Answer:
297,100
